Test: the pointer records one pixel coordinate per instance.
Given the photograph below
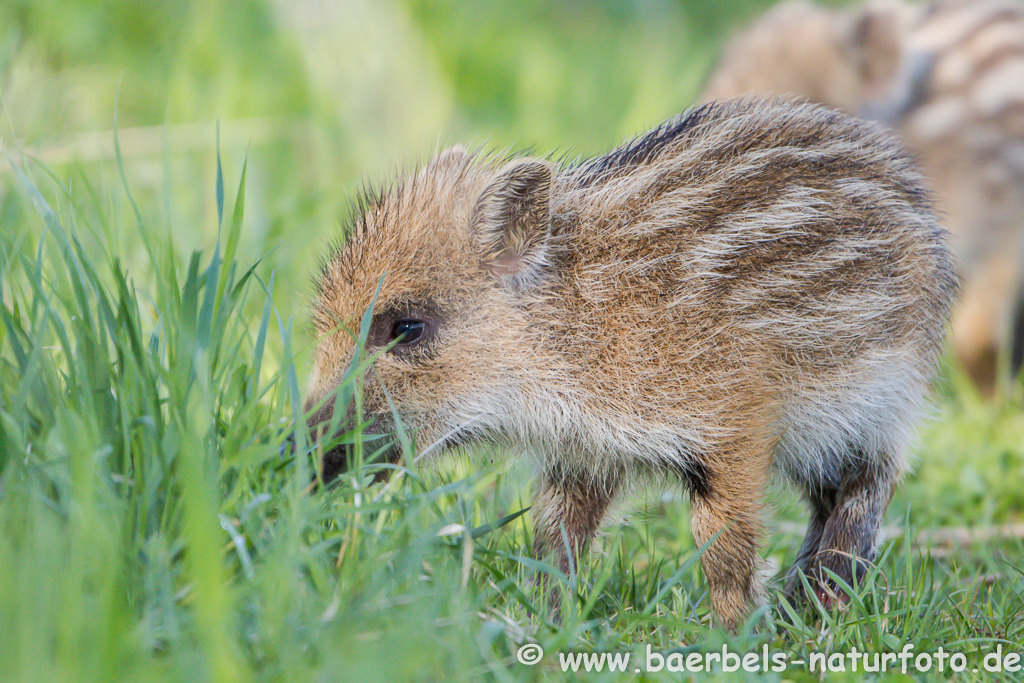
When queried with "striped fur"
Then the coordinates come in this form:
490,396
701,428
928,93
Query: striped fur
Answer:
949,77
753,285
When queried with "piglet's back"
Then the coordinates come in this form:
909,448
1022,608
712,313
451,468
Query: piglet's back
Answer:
782,233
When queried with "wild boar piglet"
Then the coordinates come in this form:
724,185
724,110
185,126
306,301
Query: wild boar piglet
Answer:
753,285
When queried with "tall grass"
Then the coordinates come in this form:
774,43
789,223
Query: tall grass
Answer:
156,520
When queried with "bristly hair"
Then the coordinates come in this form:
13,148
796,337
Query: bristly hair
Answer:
373,196
582,173
369,196
637,151
642,149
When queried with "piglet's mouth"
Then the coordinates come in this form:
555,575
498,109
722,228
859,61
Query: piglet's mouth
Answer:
379,445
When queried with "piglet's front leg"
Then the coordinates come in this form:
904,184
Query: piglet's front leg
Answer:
568,510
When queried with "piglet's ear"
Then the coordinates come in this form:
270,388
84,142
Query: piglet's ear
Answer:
512,222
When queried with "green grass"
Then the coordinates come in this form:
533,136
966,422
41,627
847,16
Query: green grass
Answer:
154,523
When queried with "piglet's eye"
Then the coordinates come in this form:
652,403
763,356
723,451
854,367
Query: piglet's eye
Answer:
408,331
